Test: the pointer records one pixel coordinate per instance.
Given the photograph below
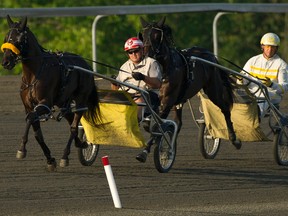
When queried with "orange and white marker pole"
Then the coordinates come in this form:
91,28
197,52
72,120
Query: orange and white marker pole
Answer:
111,182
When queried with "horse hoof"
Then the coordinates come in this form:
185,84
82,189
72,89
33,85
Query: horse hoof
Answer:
142,156
64,163
21,154
51,166
237,144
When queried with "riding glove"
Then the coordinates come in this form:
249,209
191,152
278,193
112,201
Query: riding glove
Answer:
267,82
138,76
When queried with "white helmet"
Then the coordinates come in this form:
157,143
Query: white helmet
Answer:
133,43
270,39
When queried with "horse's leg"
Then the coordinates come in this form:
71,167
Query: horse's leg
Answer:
169,93
141,157
51,163
32,119
22,152
231,132
225,109
78,143
178,115
167,98
73,120
165,110
178,119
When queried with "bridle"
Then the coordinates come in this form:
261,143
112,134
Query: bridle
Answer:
18,50
148,41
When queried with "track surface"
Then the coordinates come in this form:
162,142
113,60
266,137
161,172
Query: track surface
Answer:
243,182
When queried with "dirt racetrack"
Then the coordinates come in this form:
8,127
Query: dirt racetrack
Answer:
243,182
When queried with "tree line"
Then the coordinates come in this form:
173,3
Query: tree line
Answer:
238,34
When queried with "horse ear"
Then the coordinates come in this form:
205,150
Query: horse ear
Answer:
9,21
140,36
23,23
144,23
161,22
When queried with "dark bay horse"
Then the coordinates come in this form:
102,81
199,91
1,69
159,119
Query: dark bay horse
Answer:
47,84
182,78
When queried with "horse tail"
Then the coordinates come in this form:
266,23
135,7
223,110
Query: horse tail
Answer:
93,114
227,88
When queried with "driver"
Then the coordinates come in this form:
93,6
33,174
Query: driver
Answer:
143,72
270,69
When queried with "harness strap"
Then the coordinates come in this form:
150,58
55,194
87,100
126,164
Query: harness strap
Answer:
187,65
10,46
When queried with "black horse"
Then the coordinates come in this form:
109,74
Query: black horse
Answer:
183,78
47,83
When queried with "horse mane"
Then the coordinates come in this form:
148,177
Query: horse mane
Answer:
167,31
35,39
17,25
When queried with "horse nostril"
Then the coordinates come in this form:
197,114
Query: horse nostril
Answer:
4,63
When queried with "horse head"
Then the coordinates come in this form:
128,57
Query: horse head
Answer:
15,43
156,37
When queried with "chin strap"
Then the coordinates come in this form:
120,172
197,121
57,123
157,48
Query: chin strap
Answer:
10,46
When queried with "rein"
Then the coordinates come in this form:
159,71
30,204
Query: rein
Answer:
16,51
106,65
242,69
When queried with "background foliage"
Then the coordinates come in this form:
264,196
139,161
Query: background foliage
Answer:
238,34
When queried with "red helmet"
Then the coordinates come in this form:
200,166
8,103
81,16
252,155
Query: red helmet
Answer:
133,43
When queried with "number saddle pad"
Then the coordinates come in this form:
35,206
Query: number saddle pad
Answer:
119,125
244,116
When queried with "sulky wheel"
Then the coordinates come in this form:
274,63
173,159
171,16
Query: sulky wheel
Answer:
164,153
88,155
281,147
209,146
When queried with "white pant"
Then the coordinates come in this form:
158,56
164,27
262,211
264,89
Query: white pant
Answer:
263,104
